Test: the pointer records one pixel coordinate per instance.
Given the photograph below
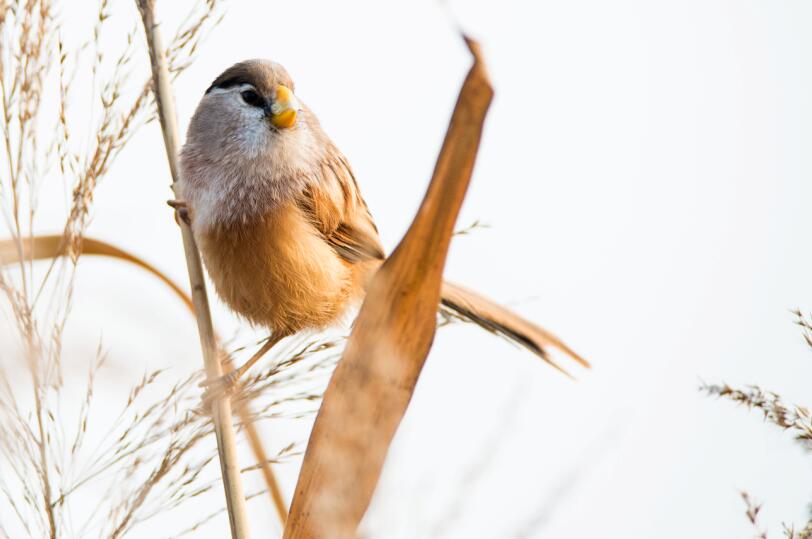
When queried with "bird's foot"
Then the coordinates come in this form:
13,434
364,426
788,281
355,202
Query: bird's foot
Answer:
181,211
221,387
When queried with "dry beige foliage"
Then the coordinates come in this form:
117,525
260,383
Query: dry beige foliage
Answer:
43,460
150,455
792,418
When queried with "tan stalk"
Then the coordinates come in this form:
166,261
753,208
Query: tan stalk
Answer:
221,407
255,442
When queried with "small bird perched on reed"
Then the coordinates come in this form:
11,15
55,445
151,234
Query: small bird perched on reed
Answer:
278,216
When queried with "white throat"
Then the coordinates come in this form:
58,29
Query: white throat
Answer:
245,177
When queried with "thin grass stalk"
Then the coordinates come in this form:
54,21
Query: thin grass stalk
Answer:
221,407
42,441
254,441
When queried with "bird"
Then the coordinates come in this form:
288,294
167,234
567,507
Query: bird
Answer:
283,231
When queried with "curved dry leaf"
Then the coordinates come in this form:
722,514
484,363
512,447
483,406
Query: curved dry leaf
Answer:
47,247
373,383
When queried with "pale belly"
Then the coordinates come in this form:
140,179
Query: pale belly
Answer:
279,273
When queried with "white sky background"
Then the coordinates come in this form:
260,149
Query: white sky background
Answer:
645,173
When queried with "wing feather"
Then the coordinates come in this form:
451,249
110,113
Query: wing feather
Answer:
334,205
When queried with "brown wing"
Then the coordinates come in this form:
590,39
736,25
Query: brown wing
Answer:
335,207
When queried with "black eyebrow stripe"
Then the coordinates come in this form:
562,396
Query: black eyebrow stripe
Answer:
228,83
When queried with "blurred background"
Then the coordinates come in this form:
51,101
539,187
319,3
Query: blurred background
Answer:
645,177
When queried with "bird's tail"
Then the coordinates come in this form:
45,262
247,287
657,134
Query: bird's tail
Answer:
472,307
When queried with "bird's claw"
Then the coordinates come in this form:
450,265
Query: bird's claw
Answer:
181,211
224,386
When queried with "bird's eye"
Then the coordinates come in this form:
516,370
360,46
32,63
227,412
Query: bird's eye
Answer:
252,98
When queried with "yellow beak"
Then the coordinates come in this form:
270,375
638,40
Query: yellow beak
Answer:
284,108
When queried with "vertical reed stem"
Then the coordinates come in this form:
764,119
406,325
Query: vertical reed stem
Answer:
270,479
221,407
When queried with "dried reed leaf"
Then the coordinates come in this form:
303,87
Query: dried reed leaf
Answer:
373,383
48,247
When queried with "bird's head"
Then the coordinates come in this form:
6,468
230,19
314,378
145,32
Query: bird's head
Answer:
250,141
247,107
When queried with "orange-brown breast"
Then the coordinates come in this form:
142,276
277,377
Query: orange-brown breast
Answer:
279,272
